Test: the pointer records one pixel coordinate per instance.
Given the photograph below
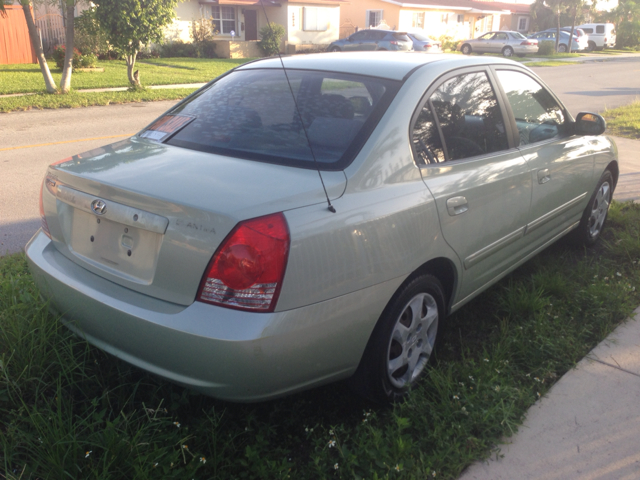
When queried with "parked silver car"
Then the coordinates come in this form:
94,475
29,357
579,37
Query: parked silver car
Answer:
249,246
508,43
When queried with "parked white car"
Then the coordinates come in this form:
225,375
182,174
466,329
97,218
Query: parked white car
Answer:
601,35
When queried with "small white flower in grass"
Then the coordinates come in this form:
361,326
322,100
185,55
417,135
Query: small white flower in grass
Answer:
633,289
306,429
433,474
331,433
398,468
538,393
497,388
246,429
332,443
606,278
186,447
335,466
471,377
486,360
528,375
86,454
203,460
618,274
155,465
595,276
177,424
497,370
364,420
456,397
555,316
536,379
461,384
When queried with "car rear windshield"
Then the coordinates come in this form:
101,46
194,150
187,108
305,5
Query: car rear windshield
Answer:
252,114
518,35
402,37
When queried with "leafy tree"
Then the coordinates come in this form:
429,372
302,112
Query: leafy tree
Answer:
132,24
626,18
270,37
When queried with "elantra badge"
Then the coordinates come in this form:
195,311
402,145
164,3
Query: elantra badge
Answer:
99,207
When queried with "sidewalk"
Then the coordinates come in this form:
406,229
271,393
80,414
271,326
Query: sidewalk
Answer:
586,427
117,89
591,57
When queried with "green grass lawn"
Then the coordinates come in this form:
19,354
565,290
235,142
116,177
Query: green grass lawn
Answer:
624,121
68,410
166,71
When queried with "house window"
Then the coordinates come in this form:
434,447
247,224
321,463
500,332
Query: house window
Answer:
316,19
374,18
523,24
417,20
460,18
224,19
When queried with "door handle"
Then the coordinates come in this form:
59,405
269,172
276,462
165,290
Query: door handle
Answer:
543,176
457,205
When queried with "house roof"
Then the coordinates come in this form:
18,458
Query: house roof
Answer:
471,6
267,3
521,8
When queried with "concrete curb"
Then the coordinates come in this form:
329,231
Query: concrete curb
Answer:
117,89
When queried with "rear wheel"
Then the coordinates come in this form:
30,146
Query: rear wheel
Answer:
334,49
591,46
402,341
562,48
466,49
595,215
507,52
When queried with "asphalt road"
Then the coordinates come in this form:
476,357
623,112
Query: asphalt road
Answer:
29,141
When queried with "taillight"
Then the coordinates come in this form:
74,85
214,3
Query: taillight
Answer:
393,42
246,271
43,223
529,42
605,39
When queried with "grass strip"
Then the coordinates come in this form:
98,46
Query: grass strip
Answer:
624,121
77,99
26,78
550,63
69,410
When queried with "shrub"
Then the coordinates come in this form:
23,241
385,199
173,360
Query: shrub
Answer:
88,61
546,48
89,37
178,48
203,33
628,34
447,42
60,51
270,37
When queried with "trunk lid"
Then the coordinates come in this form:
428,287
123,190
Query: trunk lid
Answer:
150,216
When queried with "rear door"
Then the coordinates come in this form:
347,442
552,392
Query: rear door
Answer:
497,43
481,183
562,164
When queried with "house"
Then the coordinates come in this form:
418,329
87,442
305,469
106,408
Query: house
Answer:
457,19
519,18
15,44
238,22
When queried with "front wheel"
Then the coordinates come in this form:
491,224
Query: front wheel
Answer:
595,215
402,341
507,52
466,49
562,48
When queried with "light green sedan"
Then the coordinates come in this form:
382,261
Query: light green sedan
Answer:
274,232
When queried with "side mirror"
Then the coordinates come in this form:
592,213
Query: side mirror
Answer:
590,124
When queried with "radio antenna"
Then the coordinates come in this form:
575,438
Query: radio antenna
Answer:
304,129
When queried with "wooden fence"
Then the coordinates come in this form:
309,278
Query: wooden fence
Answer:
51,28
15,44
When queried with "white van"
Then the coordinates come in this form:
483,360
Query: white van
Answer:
601,35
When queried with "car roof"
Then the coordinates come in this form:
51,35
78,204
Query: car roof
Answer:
390,65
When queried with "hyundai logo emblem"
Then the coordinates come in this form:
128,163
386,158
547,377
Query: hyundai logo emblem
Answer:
99,207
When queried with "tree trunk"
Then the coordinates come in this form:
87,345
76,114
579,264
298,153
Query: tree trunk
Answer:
65,81
37,44
573,26
558,33
134,77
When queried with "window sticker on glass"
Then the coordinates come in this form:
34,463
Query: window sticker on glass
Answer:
165,126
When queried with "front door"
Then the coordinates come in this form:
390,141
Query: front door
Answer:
250,25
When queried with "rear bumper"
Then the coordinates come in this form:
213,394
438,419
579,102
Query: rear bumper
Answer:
525,49
224,353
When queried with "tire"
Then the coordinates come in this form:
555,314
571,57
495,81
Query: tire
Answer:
402,342
591,46
562,48
466,49
507,52
595,215
334,49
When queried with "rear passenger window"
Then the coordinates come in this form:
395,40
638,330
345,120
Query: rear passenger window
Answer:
538,115
599,28
467,113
